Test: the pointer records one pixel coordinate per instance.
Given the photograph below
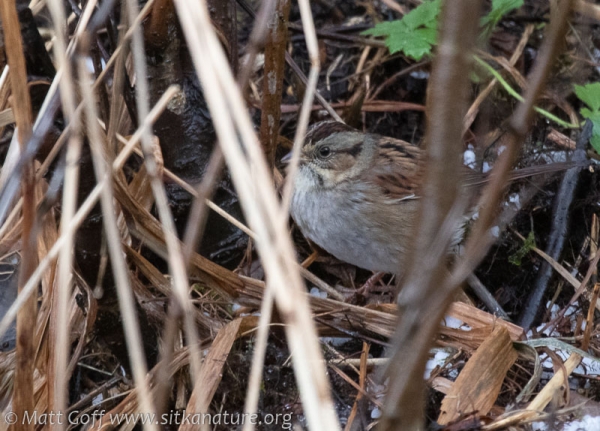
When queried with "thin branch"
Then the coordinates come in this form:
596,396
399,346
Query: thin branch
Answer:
558,233
421,305
296,69
481,239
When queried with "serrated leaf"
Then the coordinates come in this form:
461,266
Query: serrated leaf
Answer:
415,34
429,35
388,28
590,95
414,44
424,15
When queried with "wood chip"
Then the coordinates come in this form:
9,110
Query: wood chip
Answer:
478,385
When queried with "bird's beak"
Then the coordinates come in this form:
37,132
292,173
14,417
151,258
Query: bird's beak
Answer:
287,158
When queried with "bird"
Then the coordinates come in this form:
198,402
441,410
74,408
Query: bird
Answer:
356,194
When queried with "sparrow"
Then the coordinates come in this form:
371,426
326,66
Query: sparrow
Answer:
356,194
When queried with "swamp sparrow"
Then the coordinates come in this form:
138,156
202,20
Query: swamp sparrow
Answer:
356,194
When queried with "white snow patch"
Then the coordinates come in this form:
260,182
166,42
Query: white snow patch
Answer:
586,423
596,54
376,413
588,367
420,74
549,332
437,361
495,231
469,158
336,341
452,322
97,399
318,293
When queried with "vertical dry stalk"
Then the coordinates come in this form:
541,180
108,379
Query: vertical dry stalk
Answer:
273,78
199,212
177,266
256,41
311,88
258,358
21,103
82,213
252,180
117,100
59,350
420,306
117,257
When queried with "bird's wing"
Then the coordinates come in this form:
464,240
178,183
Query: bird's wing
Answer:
397,170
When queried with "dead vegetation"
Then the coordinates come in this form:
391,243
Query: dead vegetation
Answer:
147,265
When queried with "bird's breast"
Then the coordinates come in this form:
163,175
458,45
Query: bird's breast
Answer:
351,227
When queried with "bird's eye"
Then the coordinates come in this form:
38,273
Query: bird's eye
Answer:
324,152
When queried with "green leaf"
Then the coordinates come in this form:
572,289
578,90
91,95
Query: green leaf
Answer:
594,117
387,28
423,15
527,246
589,94
414,44
415,34
499,9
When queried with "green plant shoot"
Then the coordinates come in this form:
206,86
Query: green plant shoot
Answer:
590,95
416,33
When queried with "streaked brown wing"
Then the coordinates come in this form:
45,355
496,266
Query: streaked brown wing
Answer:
397,170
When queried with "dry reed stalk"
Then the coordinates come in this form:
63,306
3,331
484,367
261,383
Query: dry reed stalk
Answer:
212,371
59,324
588,9
47,105
362,386
269,134
252,180
76,221
177,267
23,401
273,74
311,87
117,258
542,399
258,357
